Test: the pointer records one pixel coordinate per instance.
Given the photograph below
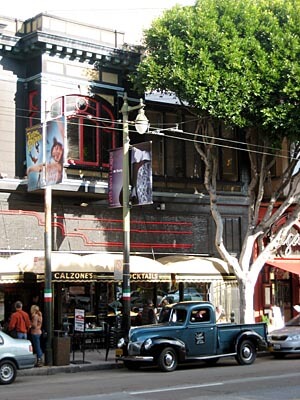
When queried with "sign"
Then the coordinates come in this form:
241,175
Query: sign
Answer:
73,276
141,174
150,276
55,151
115,181
79,320
118,270
34,157
291,245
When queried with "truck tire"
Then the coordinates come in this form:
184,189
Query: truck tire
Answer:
8,372
246,353
167,360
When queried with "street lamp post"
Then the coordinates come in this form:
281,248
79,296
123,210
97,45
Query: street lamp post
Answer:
141,125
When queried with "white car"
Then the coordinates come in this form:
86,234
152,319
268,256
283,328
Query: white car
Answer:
14,354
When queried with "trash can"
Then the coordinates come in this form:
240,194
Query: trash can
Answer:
61,349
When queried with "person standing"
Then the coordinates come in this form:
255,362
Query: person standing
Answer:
148,314
20,321
36,332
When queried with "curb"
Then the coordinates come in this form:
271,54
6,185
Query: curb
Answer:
71,368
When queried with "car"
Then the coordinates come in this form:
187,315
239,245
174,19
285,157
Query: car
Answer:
189,294
139,298
15,354
286,340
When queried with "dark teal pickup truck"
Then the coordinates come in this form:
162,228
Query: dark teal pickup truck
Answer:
189,332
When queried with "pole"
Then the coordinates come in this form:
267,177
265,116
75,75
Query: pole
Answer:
48,278
141,126
126,221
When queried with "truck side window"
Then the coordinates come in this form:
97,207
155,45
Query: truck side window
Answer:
178,315
201,315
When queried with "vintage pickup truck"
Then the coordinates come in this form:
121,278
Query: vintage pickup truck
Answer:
189,332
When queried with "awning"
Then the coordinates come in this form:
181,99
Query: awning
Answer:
91,267
9,273
287,264
141,268
108,267
193,268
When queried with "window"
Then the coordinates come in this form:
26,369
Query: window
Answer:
90,132
34,109
194,165
229,170
200,315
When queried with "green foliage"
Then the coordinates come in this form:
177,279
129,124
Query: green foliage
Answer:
235,60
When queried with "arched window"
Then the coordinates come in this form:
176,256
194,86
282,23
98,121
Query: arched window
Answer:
90,129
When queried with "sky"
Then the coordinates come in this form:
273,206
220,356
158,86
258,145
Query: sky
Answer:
129,16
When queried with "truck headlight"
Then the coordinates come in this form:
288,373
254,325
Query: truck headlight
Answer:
147,344
121,343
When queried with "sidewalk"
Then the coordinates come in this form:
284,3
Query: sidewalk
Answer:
93,360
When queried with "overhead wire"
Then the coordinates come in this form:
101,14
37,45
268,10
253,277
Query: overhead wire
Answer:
162,128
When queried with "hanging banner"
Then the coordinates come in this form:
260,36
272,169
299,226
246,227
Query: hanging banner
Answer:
141,174
140,169
115,181
55,151
34,157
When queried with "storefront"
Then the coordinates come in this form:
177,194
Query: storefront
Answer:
280,278
93,282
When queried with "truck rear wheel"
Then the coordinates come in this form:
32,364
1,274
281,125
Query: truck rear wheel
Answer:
246,353
167,360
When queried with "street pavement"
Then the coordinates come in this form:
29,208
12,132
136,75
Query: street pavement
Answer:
91,360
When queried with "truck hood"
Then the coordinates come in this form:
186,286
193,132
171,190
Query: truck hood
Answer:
141,333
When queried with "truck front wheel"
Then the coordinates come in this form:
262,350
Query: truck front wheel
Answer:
246,353
167,360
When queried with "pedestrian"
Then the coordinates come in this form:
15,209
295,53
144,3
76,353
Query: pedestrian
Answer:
148,314
36,332
19,322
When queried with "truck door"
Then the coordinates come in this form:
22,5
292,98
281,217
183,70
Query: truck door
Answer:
200,334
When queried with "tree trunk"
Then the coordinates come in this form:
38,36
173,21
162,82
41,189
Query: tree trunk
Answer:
246,290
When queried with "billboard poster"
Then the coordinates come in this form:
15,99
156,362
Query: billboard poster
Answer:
34,157
55,133
141,174
115,181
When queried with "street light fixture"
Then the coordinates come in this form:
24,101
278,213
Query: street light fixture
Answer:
141,125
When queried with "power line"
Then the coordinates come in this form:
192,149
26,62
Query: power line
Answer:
219,139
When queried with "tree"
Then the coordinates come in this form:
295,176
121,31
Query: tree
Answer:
237,61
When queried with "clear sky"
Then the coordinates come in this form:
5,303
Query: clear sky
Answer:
129,16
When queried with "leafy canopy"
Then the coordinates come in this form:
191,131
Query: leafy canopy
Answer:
235,60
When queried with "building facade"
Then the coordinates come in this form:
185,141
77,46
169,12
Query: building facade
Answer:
69,79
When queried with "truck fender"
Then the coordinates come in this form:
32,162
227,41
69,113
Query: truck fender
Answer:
160,343
257,339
